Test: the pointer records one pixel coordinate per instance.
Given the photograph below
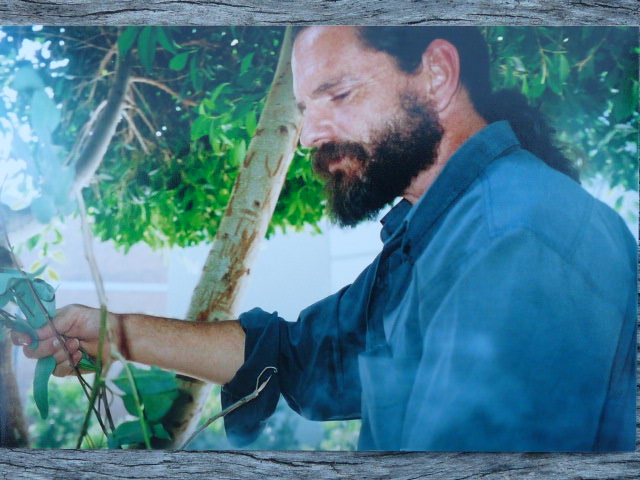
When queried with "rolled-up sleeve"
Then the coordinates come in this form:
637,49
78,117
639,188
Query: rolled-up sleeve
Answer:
315,358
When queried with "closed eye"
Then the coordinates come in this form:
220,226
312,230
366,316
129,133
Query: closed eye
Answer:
340,96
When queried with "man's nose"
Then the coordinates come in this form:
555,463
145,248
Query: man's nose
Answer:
316,130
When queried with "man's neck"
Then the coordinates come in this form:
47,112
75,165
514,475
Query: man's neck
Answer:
452,138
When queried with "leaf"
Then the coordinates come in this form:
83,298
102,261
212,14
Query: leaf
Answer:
155,406
525,86
148,382
200,127
195,75
45,117
164,40
239,151
126,39
128,432
43,209
147,47
246,63
251,123
563,68
537,86
217,91
44,369
87,363
160,432
26,78
53,275
624,102
178,62
6,277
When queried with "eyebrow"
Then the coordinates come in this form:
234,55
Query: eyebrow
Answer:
322,88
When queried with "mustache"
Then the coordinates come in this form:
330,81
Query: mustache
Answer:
334,151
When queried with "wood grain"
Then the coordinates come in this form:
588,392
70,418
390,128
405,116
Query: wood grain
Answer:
240,465
18,464
269,12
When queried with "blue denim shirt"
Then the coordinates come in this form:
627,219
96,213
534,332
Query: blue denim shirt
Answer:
499,316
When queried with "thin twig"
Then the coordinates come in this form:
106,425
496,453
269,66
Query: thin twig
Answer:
231,408
98,384
137,401
136,132
97,278
164,88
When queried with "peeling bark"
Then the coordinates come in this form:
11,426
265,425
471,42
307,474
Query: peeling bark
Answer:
245,222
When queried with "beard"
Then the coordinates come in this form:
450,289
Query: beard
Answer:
396,155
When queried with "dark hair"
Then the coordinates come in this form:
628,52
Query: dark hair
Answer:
407,44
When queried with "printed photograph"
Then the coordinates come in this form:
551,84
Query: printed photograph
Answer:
319,238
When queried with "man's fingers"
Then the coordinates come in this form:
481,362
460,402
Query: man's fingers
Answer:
45,348
52,346
65,368
20,339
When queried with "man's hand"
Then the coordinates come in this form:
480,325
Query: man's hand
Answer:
79,325
212,352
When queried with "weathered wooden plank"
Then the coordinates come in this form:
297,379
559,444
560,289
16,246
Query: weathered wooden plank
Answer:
268,12
70,464
240,465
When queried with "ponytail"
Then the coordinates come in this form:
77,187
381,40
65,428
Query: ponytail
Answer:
529,125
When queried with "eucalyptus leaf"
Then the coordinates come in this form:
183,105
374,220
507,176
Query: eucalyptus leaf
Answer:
44,369
165,41
26,78
45,115
30,304
147,47
179,61
43,208
126,39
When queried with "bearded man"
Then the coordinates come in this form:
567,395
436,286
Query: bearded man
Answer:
500,314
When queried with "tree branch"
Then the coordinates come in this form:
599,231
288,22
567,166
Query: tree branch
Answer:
165,88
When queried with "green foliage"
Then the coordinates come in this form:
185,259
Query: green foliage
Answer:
60,429
168,180
585,80
36,300
341,435
158,394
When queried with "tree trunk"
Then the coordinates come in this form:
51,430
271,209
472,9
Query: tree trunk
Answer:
245,222
13,430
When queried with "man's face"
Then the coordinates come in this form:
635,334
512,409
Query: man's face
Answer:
370,123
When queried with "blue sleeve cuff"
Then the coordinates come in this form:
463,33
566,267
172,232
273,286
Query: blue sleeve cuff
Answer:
244,424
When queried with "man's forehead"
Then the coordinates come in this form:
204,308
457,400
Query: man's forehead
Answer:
323,57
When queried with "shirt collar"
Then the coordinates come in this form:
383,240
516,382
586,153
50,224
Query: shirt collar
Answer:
461,170
393,219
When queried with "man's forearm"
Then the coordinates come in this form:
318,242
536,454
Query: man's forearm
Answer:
212,352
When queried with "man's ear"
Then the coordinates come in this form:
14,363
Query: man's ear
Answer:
441,67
